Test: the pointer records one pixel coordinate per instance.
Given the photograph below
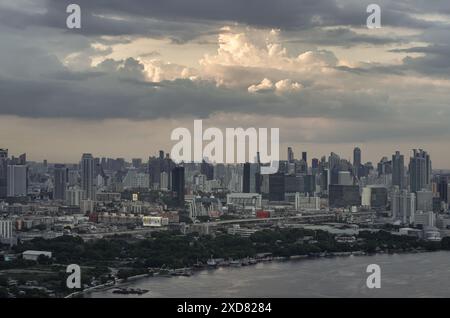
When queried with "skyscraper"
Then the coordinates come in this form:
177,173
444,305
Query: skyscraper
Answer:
290,155
87,176
357,161
356,157
398,170
305,156
246,178
3,172
403,206
443,188
17,177
60,184
419,170
178,184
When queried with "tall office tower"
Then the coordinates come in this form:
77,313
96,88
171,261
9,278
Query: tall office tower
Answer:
357,162
246,178
17,177
87,176
251,182
276,187
178,184
356,157
398,170
3,172
290,155
403,206
419,170
155,167
443,188
305,156
61,180
207,169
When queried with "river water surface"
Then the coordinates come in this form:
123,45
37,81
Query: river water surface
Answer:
402,275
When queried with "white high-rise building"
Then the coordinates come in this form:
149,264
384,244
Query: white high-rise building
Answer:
6,229
74,195
403,206
135,179
366,196
87,176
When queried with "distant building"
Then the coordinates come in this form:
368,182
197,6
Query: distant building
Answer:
374,197
136,179
6,229
17,177
87,176
178,184
403,206
3,172
419,171
425,219
306,202
276,187
34,255
345,178
244,200
343,196
60,182
74,195
398,170
424,200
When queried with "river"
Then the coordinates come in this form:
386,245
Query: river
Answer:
402,275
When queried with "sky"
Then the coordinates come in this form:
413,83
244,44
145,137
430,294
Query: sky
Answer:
138,69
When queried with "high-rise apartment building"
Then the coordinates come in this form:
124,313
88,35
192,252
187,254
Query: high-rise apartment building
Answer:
87,176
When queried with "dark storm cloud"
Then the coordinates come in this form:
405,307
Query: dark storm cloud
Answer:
434,60
34,83
183,20
342,37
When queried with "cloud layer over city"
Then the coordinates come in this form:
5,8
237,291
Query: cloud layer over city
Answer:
312,67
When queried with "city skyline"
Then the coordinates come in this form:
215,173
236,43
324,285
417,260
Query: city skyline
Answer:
297,155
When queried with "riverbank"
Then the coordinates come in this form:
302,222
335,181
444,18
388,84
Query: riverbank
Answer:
292,259
402,275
